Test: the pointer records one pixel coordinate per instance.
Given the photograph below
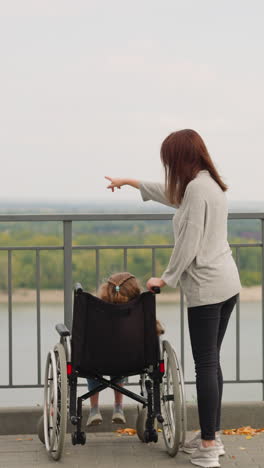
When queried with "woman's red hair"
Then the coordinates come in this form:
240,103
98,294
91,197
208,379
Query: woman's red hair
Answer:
184,154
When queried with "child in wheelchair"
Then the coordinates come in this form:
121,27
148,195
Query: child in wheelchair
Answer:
113,335
119,288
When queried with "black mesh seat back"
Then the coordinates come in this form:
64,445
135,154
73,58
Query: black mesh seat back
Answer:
113,339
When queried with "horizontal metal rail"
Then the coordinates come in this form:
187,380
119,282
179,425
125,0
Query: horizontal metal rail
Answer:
113,247
68,248
113,216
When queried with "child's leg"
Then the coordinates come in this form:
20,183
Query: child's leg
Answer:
95,415
92,384
94,400
119,396
118,414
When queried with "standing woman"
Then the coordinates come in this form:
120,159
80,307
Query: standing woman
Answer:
202,263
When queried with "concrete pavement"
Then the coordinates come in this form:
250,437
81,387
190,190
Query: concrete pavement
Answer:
109,450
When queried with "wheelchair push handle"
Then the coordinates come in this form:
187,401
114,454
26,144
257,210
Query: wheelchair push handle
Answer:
78,289
155,289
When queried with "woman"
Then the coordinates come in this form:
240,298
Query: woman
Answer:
202,263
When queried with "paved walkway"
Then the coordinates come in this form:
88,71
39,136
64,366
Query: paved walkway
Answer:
113,451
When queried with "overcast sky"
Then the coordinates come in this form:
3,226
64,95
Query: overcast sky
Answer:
92,87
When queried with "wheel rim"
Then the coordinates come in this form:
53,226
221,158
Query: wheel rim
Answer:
50,402
57,422
168,408
171,404
183,401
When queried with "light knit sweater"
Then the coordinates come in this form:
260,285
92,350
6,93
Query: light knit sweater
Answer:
201,260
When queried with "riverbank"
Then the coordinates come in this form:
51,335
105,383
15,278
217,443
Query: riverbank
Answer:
52,296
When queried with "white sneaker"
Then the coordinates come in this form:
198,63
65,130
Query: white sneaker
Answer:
118,416
207,457
193,444
94,418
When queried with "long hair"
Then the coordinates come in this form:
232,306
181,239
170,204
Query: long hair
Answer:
184,154
120,287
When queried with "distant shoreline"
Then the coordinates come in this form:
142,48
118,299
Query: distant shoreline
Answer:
52,296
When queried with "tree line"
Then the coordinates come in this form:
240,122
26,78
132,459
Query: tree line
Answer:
139,261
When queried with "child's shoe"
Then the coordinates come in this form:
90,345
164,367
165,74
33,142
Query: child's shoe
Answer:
118,415
95,417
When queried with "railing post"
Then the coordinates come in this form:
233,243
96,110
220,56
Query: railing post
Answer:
67,245
38,315
153,261
182,330
10,318
262,301
238,322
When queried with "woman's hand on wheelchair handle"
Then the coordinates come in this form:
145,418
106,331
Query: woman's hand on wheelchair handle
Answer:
152,282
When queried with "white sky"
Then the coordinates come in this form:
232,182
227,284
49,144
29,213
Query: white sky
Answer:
91,88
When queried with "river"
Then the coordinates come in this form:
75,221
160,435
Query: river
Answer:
25,345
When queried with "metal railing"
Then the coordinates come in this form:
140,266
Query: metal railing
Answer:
68,248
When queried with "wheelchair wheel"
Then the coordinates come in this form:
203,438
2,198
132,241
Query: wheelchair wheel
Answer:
55,401
171,402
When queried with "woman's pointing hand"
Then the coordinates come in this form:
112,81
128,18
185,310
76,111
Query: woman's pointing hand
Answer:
115,183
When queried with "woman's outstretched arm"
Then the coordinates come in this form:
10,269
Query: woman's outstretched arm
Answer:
149,190
118,183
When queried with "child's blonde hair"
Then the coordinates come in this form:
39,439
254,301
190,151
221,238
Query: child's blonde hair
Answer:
120,287
123,287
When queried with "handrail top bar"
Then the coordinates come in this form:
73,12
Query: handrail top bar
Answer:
112,216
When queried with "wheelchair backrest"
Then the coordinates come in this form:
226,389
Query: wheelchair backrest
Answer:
113,339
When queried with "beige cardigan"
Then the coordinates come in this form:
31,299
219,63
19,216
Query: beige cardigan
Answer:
201,260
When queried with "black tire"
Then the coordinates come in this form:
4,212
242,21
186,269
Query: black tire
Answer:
171,407
74,438
40,429
141,423
83,438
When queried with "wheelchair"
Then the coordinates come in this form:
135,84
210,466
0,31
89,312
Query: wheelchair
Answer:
117,340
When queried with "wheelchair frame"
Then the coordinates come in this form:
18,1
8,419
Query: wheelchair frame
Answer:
161,394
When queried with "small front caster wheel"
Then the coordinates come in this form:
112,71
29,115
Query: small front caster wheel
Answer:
147,438
82,438
74,438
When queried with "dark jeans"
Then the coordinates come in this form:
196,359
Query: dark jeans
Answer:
207,326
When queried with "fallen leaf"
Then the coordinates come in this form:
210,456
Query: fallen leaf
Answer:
244,430
242,448
127,431
25,439
249,437
159,430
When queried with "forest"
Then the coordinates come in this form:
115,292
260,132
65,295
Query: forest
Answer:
107,234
